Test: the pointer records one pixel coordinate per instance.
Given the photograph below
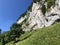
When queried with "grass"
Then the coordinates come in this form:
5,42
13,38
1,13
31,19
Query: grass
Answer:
22,37
26,35
10,43
0,43
45,36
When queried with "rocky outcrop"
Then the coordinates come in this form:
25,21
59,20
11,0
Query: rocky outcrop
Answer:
41,15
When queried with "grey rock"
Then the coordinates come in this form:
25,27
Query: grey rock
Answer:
37,19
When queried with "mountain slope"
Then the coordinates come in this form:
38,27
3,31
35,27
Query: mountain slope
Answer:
45,36
41,13
39,25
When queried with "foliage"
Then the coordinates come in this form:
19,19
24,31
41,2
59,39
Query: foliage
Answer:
36,1
22,15
16,31
25,35
30,7
43,9
0,31
8,36
50,3
15,26
45,36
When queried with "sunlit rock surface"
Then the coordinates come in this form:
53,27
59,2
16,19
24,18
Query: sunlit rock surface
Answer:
37,19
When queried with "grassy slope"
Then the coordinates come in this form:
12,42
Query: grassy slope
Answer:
45,36
22,37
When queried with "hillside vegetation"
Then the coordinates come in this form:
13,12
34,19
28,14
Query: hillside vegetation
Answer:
45,36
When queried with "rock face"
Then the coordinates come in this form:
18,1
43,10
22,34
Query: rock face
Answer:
41,15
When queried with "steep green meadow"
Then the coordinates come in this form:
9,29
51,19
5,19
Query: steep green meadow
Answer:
45,36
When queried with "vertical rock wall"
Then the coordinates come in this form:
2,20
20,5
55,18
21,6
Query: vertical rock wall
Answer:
37,19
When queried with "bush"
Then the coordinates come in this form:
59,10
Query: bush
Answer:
50,3
43,9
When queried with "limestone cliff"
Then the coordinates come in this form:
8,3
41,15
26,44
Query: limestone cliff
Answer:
41,13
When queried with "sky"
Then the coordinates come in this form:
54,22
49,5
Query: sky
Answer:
10,10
